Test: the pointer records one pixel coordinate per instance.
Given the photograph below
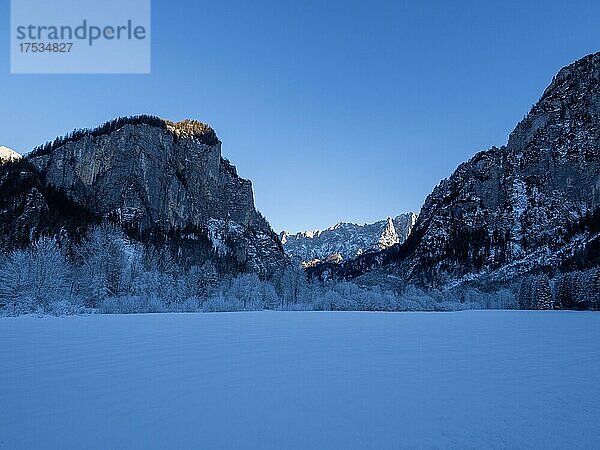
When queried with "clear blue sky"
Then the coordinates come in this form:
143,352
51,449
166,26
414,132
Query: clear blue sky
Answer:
336,110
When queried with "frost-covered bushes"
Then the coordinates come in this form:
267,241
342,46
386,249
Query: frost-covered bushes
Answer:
414,299
243,293
131,305
18,305
251,292
121,279
347,296
106,273
136,305
67,307
220,303
192,304
334,301
32,280
502,299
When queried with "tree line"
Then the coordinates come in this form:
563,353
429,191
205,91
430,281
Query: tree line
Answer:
109,273
205,133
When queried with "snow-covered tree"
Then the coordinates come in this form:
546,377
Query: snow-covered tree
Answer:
103,262
33,279
203,281
251,292
291,286
15,284
565,292
594,289
526,293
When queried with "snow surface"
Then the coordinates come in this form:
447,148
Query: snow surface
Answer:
286,380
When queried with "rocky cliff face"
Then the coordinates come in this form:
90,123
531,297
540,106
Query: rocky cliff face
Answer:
530,205
346,240
155,178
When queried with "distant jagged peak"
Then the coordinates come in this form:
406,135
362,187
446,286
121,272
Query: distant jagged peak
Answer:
389,236
8,154
410,217
347,223
346,240
191,129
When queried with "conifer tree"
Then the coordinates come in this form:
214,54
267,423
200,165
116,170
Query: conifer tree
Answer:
543,292
526,300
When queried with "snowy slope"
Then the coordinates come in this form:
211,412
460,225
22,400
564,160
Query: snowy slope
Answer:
8,154
479,379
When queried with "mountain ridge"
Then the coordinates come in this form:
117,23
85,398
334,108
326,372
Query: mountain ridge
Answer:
346,240
512,203
157,179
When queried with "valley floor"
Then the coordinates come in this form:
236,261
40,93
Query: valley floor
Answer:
300,380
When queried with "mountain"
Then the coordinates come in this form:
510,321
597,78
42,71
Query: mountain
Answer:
532,205
345,240
162,182
8,155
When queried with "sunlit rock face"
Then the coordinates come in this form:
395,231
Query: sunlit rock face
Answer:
8,155
346,240
155,178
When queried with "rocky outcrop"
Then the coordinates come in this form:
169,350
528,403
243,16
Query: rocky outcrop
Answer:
527,206
157,179
345,240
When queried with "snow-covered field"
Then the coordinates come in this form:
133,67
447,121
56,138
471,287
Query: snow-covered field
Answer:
310,380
